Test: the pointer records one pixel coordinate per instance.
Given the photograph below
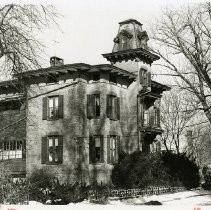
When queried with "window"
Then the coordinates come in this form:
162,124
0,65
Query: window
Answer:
113,78
112,148
53,107
93,106
113,107
96,149
146,117
152,117
52,150
145,77
12,150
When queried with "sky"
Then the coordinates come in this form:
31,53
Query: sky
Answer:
87,27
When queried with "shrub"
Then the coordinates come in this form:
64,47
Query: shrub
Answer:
40,184
11,192
139,170
182,169
68,193
206,171
99,194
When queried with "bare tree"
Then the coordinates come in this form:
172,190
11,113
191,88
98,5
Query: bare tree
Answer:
20,49
176,113
199,144
182,39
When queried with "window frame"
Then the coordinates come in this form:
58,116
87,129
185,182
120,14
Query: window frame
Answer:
54,108
113,107
93,110
92,149
59,109
11,149
113,153
45,150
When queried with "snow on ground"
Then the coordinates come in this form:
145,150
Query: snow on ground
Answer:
187,200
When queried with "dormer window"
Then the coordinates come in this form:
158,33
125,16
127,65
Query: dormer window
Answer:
145,77
125,37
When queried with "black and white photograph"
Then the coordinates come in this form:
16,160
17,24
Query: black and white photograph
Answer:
105,104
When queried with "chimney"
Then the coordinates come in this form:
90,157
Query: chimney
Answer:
55,61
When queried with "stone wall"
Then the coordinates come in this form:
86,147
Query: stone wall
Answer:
75,125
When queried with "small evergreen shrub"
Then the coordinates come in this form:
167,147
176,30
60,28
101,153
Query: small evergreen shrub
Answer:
99,194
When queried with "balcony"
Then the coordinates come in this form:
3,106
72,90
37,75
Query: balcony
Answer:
151,121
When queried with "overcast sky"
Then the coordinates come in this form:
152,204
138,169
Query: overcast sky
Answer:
89,26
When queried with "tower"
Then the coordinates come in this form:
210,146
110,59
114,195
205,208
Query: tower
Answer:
130,50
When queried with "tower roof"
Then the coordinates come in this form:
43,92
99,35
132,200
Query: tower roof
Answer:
130,21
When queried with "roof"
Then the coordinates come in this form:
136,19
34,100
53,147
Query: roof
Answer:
159,85
14,86
142,53
68,68
130,21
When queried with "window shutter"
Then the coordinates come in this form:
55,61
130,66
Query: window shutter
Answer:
90,106
60,149
61,106
117,148
141,114
158,117
140,76
108,111
24,148
44,150
149,79
101,149
91,150
118,108
44,108
108,150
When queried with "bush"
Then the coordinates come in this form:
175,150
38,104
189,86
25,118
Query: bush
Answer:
182,169
40,184
139,170
206,171
99,194
11,192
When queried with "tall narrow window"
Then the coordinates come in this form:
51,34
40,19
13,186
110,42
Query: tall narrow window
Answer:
52,107
112,148
146,116
96,149
93,106
113,107
145,77
52,149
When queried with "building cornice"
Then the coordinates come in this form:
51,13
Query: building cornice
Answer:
131,54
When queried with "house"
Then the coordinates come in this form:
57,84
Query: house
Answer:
79,117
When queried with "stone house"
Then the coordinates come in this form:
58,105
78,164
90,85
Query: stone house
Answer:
76,119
